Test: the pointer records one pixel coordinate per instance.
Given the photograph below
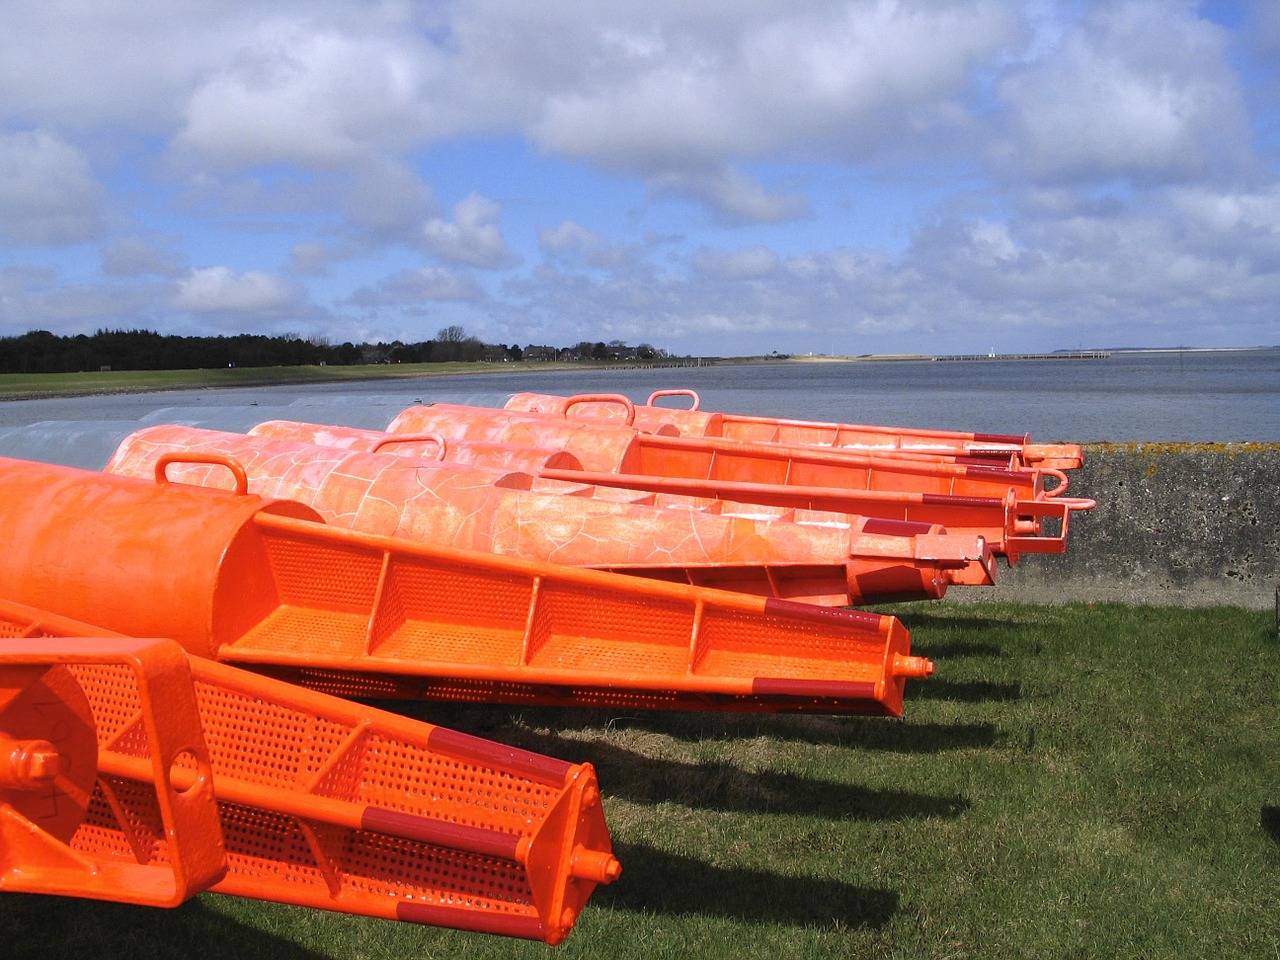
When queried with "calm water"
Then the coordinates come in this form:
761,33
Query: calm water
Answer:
1165,397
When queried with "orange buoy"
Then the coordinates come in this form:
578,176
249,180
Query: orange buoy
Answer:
1011,450
800,555
239,579
623,449
1009,526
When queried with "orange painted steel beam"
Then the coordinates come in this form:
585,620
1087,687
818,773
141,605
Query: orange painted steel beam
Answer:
692,421
837,560
235,578
172,774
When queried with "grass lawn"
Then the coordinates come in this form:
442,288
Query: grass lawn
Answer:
23,385
1074,781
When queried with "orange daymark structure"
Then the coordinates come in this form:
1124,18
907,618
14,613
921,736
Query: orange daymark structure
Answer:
130,771
236,578
801,555
1011,450
1009,526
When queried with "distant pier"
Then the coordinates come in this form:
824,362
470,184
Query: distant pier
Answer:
1057,355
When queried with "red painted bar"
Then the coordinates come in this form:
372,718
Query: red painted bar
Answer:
441,833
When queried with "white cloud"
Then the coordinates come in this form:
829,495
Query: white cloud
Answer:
387,202
48,193
1137,89
1060,274
419,286
316,98
109,64
38,298
135,257
1042,167
750,264
573,241
217,290
312,258
732,197
843,80
473,238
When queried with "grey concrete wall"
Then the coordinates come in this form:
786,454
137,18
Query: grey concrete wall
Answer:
1180,524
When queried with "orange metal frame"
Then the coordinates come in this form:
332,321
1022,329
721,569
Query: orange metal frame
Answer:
261,582
133,772
54,809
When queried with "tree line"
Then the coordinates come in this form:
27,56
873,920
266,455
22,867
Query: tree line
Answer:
39,351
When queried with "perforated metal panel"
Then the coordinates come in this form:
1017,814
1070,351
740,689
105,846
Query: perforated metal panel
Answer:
311,800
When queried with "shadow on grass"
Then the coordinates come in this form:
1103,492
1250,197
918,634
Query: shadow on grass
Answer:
719,786
510,725
971,691
1271,822
861,733
930,622
955,649
65,928
655,881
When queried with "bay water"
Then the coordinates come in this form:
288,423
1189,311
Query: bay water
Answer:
1157,397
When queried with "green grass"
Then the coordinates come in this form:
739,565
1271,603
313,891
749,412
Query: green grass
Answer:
24,385
1074,781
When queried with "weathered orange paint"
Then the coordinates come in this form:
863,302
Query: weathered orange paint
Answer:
1011,450
1008,525
803,555
621,449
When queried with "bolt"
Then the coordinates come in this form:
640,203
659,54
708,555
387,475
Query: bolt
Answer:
27,764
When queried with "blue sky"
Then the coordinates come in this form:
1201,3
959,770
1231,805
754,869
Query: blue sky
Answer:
726,177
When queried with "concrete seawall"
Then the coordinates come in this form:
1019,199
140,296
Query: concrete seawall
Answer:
1176,524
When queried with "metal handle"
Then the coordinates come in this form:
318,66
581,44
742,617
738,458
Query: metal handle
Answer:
212,459
624,402
1061,477
435,438
697,400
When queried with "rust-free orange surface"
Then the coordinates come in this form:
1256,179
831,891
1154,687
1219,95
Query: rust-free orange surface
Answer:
179,774
239,579
805,555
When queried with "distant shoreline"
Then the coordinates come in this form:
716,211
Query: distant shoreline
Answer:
17,387
1084,354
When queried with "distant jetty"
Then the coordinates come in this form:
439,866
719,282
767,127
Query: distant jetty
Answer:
929,358
1056,355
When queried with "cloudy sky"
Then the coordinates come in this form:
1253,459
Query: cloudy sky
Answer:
715,177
